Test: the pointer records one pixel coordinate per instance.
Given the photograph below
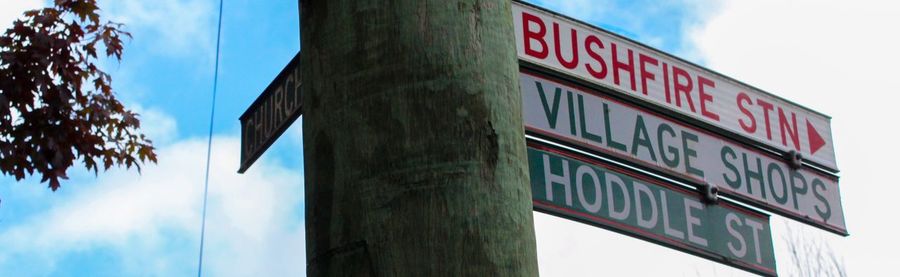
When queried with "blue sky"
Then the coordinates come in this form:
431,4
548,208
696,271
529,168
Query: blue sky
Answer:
125,224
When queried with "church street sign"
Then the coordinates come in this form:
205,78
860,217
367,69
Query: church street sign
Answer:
271,114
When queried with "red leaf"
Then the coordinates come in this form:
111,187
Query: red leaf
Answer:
66,105
54,183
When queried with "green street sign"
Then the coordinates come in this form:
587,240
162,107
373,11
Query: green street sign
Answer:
586,190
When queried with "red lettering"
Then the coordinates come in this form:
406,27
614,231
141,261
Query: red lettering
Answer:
558,47
767,107
666,83
531,35
704,97
594,40
629,67
788,129
645,75
741,99
682,87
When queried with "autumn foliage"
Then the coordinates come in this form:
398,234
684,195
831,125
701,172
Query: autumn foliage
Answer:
56,106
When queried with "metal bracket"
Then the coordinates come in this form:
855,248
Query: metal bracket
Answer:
710,193
794,159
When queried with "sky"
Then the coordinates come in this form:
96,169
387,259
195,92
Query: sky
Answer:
836,57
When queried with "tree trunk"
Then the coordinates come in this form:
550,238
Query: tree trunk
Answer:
413,140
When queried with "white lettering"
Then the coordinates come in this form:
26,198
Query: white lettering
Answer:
689,206
612,179
741,251
598,199
563,180
642,189
757,227
665,213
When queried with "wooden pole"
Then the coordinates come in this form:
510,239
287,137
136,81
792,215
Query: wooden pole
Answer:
414,148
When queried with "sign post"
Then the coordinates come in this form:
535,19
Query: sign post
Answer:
412,135
408,161
280,104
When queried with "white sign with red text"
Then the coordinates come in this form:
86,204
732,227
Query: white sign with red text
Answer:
602,58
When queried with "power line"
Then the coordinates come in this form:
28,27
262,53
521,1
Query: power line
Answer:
209,142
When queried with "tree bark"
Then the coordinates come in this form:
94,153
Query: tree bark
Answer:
414,147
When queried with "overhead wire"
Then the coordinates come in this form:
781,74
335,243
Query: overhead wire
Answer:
212,115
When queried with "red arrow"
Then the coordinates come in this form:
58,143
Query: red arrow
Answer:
815,140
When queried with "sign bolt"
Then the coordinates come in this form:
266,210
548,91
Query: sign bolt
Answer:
794,159
710,193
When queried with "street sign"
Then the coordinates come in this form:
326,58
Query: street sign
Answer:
586,190
655,142
271,114
636,71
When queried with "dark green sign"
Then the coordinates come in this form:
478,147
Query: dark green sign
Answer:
271,114
586,190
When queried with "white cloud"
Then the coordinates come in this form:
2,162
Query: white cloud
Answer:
569,248
175,27
294,134
152,221
839,58
157,125
10,10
